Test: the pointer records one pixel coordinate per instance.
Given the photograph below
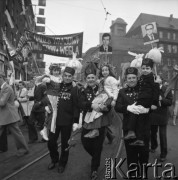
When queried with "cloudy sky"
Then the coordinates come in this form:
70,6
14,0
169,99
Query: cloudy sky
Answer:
88,16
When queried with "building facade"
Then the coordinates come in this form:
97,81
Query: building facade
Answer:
123,41
15,17
167,28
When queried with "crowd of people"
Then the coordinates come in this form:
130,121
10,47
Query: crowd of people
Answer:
53,104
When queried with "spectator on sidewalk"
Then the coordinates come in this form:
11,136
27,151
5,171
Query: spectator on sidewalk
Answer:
159,120
22,98
37,116
3,141
9,116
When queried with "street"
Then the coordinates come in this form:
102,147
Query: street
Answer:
78,167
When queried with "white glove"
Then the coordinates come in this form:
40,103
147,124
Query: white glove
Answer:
143,110
76,126
133,108
47,109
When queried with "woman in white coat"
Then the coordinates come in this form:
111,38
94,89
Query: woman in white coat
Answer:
23,99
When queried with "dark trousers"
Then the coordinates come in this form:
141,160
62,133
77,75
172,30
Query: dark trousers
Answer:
137,124
53,146
137,154
94,147
162,138
109,133
17,134
3,140
38,117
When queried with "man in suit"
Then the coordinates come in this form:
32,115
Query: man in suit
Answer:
105,48
159,119
3,141
150,36
38,111
9,116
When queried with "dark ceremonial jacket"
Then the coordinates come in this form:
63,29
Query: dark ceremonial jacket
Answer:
87,95
67,106
39,96
8,111
148,91
160,115
127,96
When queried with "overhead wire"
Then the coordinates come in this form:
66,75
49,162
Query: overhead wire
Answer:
106,14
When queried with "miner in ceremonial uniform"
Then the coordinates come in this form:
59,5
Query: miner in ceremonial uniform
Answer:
94,145
125,104
67,115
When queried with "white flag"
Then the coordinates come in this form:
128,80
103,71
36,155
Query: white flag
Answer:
9,18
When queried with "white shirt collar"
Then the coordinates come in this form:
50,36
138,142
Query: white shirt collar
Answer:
3,85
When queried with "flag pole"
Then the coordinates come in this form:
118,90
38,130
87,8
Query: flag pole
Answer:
154,63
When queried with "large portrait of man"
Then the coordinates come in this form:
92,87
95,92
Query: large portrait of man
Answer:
105,47
149,32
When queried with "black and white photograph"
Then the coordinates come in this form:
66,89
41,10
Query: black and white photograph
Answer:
88,89
149,32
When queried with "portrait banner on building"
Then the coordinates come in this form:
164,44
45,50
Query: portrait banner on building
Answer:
149,32
58,45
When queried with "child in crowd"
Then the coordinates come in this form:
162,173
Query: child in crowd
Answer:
48,118
148,97
106,98
52,94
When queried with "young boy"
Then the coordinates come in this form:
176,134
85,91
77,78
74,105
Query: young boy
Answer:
148,97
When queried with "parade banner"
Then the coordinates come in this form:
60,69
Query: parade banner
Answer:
59,45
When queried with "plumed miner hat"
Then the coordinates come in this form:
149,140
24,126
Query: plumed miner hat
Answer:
90,69
69,70
148,62
131,70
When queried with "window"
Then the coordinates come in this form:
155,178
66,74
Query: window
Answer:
12,9
5,29
174,62
174,49
169,75
169,35
161,45
169,62
174,36
169,48
12,38
160,34
25,24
